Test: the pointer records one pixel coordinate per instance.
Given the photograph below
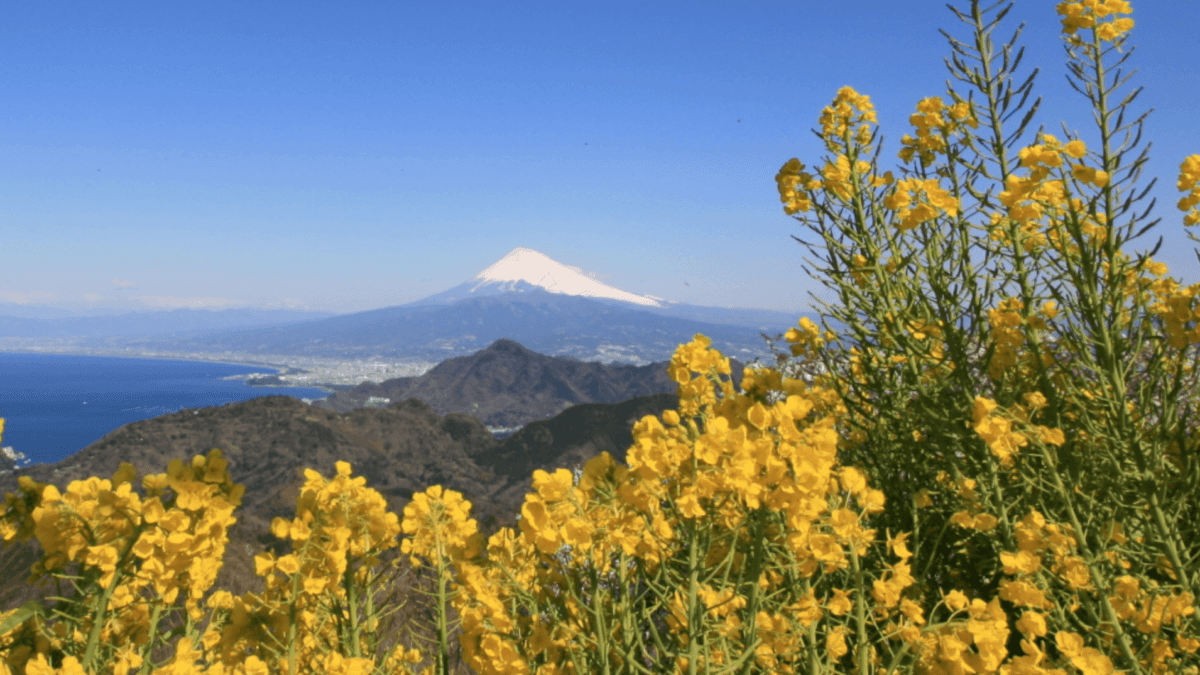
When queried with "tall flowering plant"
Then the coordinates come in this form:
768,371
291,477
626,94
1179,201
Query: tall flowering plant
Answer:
319,601
1058,471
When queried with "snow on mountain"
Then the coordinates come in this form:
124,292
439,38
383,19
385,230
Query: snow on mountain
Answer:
524,269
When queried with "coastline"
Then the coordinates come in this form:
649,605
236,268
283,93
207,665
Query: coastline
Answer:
280,369
157,357
330,375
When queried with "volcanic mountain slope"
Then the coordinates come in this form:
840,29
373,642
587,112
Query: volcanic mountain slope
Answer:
526,296
401,449
507,385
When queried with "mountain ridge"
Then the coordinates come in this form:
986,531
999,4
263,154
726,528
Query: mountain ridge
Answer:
507,385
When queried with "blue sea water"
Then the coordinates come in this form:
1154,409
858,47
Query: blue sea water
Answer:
57,404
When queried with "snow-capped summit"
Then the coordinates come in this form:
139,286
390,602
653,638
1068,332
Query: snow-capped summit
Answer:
526,269
539,269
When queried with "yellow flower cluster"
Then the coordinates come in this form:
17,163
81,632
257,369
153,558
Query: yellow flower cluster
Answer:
486,616
887,593
171,543
697,392
746,458
806,342
1061,198
846,130
1179,311
310,609
1189,182
1008,327
794,184
1148,611
911,210
947,649
1029,200
850,113
438,520
1089,13
837,176
935,124
995,426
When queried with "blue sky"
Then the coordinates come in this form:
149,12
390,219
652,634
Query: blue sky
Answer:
349,156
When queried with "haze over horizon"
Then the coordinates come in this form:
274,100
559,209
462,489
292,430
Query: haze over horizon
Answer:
314,158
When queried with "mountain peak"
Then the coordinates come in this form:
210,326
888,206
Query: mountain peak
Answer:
507,345
538,269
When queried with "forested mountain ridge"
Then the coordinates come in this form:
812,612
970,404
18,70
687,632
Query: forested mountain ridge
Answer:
507,385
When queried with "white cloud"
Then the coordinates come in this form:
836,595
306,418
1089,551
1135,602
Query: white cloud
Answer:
25,298
92,297
286,303
176,302
126,283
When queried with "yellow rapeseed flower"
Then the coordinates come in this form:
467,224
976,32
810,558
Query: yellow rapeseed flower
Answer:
1189,182
848,110
835,643
1032,624
1021,562
791,181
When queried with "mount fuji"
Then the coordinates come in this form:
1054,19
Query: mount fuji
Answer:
524,269
526,296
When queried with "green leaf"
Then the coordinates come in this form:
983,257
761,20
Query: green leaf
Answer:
21,615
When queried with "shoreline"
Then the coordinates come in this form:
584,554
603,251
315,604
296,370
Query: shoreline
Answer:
150,357
158,357
327,374
280,369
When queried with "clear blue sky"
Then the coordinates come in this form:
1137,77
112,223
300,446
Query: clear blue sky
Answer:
347,156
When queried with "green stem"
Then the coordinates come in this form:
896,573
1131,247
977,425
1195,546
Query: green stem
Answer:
860,612
756,568
695,624
814,664
598,614
100,606
350,646
443,647
154,619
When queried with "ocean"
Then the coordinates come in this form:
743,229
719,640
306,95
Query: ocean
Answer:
54,405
